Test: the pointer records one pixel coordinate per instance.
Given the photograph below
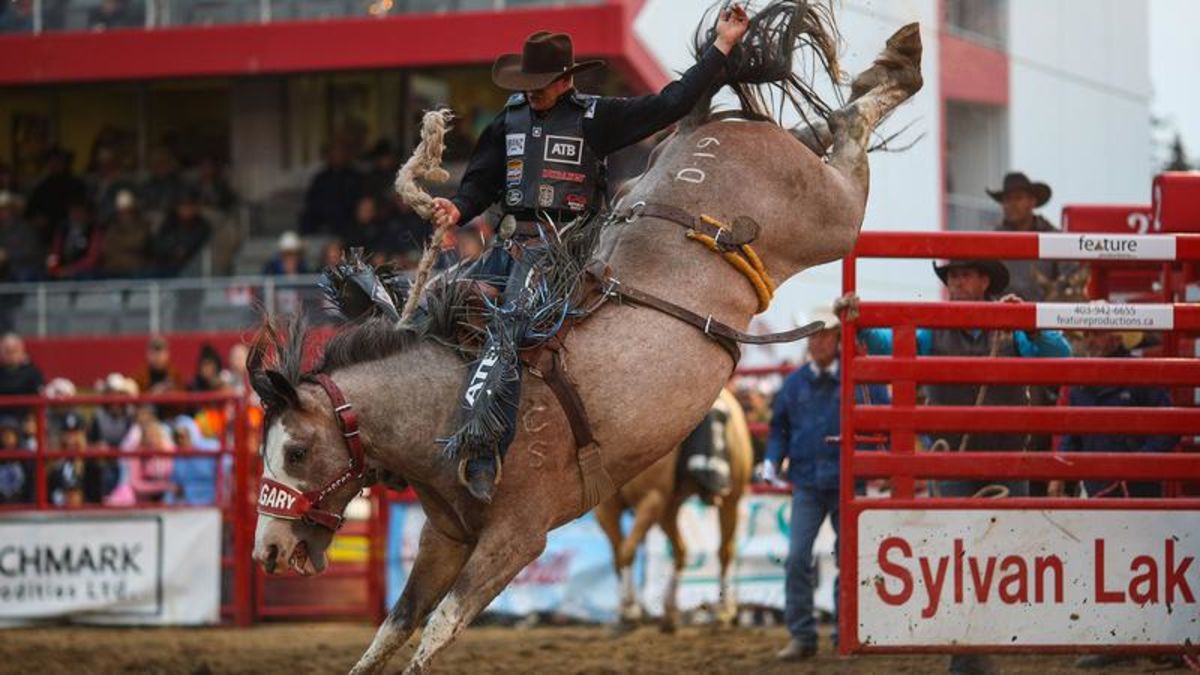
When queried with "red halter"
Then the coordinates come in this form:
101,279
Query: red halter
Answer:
283,501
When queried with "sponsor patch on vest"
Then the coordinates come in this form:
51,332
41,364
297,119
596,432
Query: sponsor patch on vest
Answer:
569,176
516,144
564,149
545,196
576,202
537,132
513,197
591,109
516,171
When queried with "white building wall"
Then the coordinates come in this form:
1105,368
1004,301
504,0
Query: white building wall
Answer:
905,191
1080,94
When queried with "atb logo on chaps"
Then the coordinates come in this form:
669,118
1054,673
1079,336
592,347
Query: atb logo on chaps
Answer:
480,376
564,149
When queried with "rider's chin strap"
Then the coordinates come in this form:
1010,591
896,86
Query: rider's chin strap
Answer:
283,501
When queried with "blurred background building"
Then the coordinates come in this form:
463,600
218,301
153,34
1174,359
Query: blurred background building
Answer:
264,96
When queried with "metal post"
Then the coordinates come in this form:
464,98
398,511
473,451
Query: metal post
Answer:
38,24
243,532
847,562
155,309
41,310
264,11
41,488
269,297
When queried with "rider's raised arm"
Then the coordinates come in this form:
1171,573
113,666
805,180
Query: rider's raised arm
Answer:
620,122
484,180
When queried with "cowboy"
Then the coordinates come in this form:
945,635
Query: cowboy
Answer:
975,281
543,159
1020,197
805,426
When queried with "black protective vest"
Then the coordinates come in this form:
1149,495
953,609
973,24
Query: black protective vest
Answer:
955,342
548,165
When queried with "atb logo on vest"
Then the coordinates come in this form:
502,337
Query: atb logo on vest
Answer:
516,144
564,149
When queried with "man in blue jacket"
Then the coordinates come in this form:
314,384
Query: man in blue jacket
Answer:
1111,344
805,423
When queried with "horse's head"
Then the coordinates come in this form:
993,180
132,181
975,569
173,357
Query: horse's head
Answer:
312,465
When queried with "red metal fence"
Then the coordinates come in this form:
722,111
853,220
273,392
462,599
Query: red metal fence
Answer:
903,420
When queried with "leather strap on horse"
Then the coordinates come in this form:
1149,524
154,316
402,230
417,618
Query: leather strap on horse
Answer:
547,363
730,241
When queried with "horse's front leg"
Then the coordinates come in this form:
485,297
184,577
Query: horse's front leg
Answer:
503,550
670,526
728,514
439,560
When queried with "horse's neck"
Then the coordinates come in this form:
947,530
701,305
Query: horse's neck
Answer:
404,402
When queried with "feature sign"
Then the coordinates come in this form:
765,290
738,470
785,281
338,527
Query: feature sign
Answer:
131,568
1104,316
1106,247
991,577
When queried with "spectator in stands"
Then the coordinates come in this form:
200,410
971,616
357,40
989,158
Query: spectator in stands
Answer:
332,195
47,205
380,179
1031,280
126,248
17,16
22,256
75,250
184,233
18,375
65,477
235,377
158,376
16,476
112,421
164,186
105,182
289,262
114,14
1116,345
331,253
805,424
195,476
369,229
208,371
212,188
150,478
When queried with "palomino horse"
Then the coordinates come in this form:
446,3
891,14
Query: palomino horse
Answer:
382,395
655,496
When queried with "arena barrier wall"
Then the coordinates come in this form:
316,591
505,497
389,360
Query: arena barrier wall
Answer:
924,574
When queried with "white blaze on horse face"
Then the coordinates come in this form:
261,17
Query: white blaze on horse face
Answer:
274,462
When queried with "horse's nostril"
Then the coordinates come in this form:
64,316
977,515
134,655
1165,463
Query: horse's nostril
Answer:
272,558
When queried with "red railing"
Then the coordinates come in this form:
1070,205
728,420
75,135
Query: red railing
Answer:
247,594
903,420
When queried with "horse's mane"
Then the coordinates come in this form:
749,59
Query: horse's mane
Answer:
760,69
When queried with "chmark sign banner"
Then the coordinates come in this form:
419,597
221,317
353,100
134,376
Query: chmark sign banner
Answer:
161,567
993,577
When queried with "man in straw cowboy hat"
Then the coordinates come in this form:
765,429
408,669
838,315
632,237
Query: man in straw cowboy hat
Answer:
543,159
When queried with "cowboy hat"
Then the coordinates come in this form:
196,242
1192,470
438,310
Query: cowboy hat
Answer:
1018,181
545,58
996,272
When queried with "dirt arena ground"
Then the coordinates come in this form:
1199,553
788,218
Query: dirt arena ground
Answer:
334,647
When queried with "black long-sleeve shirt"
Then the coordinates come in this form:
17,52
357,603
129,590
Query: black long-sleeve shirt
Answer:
618,122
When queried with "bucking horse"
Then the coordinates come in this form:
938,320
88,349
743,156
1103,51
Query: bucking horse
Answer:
730,204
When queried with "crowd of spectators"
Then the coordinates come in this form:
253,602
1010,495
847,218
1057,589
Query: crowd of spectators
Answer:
109,224
114,444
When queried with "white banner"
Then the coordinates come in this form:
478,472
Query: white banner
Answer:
1028,577
138,567
1104,316
1106,247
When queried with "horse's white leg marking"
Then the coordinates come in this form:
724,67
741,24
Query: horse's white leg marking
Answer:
631,609
381,649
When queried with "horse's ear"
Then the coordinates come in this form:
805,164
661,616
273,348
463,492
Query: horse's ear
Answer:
283,389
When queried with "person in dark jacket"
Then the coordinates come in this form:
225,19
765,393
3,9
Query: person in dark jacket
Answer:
183,235
332,195
1111,344
47,205
805,425
544,156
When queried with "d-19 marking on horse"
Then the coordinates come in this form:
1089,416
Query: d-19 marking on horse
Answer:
655,497
384,395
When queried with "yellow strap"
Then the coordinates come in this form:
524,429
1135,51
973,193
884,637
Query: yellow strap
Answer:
763,287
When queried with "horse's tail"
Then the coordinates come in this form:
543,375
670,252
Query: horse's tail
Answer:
761,67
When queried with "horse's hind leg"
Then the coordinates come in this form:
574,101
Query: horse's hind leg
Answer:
728,515
501,552
894,77
438,562
670,526
647,512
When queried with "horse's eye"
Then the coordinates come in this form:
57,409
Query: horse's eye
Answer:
295,455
